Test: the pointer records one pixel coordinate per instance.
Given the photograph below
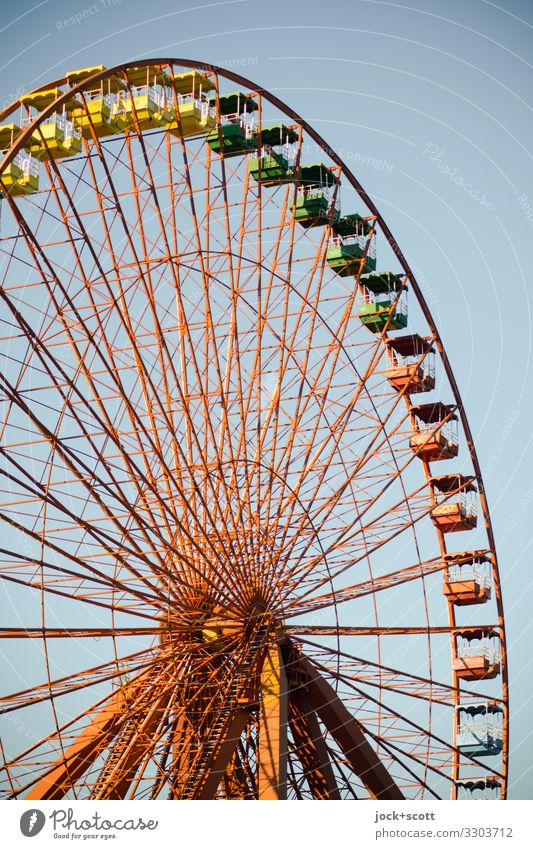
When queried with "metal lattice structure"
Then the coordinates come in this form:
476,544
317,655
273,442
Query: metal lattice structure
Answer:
231,491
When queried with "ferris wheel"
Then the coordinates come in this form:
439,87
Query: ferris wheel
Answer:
241,552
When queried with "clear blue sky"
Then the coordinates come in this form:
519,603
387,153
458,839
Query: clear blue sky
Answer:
431,105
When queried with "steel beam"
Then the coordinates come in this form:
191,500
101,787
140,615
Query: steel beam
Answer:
272,753
224,755
82,753
121,766
347,733
311,747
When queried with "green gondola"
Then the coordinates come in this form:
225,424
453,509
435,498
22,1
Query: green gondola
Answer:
230,140
270,170
347,260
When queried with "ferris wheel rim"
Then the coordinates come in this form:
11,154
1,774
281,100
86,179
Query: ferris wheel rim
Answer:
346,172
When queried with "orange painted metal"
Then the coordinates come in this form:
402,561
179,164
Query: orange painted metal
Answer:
224,755
69,768
272,754
311,747
349,735
217,455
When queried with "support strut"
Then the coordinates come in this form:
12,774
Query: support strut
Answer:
272,754
347,732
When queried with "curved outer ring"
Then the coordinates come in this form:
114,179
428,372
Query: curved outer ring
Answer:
249,85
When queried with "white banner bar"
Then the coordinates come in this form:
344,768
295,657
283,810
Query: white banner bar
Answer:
235,825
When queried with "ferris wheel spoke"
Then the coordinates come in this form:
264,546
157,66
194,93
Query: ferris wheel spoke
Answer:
132,749
373,446
125,589
309,383
389,478
345,729
271,421
449,748
337,430
328,506
163,355
16,399
213,350
270,471
232,356
62,633
233,440
71,462
124,706
253,405
170,429
79,680
187,502
306,399
208,427
330,360
432,685
233,370
42,491
406,684
373,585
396,474
281,460
348,535
103,538
396,527
310,748
277,274
109,349
4,768
105,584
75,417
390,747
214,484
355,631
256,388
